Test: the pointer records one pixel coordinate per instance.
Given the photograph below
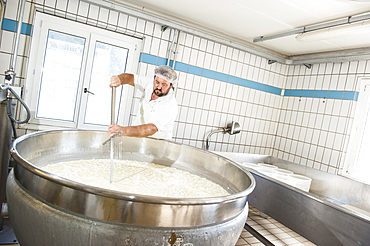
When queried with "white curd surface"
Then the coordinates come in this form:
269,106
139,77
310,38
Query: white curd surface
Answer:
137,177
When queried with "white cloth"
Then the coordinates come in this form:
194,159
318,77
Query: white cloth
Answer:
161,112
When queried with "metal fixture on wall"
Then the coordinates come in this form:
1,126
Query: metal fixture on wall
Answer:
358,28
231,128
172,51
347,21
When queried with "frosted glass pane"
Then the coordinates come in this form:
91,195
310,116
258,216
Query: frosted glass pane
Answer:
60,76
108,60
362,165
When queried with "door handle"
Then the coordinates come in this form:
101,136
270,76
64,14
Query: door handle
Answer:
86,91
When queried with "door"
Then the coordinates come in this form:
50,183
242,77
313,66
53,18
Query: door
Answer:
69,73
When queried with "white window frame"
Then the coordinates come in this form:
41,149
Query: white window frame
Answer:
43,23
350,168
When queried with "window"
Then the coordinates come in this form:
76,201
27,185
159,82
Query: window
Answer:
69,73
59,78
357,163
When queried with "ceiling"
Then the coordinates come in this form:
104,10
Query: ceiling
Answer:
241,21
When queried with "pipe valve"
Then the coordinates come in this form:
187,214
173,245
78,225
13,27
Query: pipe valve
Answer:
9,74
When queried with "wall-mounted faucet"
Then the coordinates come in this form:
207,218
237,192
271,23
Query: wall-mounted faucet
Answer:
231,128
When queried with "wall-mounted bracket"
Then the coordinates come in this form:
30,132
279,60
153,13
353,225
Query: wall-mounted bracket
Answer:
164,28
231,128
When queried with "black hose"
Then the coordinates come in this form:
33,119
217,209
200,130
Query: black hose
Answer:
14,129
9,108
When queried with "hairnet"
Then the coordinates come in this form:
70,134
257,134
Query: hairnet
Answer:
167,72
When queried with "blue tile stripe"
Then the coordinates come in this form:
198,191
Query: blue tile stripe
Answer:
11,25
344,95
182,67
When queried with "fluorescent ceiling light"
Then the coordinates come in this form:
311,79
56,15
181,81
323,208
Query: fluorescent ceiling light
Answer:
357,28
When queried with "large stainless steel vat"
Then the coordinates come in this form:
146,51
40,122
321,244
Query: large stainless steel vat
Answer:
48,210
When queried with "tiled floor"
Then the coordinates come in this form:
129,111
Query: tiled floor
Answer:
272,230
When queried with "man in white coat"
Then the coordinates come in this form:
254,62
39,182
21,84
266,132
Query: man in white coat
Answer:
158,106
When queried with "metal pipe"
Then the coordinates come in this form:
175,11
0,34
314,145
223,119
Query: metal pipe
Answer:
112,121
339,22
9,111
210,134
169,51
176,48
113,107
19,28
2,2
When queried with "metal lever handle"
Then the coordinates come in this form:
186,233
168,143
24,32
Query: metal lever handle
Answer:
87,91
113,114
113,107
115,135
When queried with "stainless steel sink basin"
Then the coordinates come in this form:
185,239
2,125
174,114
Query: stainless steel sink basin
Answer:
336,210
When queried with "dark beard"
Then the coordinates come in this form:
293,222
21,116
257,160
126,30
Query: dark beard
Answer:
159,93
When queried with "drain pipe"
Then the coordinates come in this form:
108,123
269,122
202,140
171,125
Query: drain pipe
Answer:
11,71
176,48
2,2
169,50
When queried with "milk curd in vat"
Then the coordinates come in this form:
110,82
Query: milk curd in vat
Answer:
137,177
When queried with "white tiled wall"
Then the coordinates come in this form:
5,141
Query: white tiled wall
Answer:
308,131
206,104
315,131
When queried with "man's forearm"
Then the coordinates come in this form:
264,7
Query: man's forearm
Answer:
140,131
127,79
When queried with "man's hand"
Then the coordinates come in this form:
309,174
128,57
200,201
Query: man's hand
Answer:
133,131
122,79
114,129
114,81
